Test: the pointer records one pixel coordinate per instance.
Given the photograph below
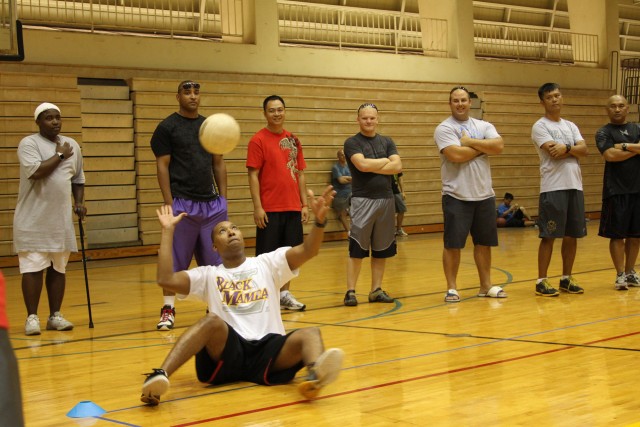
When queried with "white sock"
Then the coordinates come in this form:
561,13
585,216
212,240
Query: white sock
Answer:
170,300
283,293
564,277
540,280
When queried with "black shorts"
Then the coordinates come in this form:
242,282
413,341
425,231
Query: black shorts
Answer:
561,213
462,217
244,360
283,229
619,217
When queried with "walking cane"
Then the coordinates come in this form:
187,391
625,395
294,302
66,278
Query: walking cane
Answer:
86,277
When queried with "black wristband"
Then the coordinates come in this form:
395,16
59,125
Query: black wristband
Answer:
321,224
568,147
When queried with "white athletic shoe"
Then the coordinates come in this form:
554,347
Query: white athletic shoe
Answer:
32,325
324,372
58,323
156,384
289,302
621,282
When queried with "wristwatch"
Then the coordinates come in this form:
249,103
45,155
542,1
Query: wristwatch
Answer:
624,146
568,147
59,154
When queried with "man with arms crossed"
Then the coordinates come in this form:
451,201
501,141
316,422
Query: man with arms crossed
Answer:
618,143
468,199
372,160
561,205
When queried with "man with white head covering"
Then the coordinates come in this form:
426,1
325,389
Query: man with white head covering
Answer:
43,235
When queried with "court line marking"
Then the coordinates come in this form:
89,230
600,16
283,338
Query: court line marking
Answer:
396,382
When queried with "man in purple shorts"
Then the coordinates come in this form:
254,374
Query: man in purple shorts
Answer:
242,337
468,199
618,143
188,176
372,160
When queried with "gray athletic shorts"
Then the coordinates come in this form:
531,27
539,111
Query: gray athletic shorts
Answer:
372,227
561,213
462,217
401,206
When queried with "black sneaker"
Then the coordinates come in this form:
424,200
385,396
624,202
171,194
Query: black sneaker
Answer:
156,384
544,289
380,296
350,299
570,286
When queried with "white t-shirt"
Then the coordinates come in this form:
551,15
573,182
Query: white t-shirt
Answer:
467,180
43,219
246,297
557,174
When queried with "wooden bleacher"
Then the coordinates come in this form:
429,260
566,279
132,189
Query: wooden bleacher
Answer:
122,190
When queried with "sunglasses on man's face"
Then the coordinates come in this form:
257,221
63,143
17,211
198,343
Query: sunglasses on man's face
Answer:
189,85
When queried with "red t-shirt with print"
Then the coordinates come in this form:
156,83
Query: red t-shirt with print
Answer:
279,158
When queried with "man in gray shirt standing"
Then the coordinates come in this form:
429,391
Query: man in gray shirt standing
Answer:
468,199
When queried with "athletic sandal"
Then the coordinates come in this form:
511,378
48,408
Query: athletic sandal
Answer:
494,292
324,371
452,296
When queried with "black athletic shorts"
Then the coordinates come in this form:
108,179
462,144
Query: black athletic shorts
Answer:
619,217
244,360
283,229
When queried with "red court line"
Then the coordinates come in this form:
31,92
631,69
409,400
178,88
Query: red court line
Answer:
406,380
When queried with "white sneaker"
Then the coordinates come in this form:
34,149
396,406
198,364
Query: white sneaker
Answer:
288,301
621,282
633,280
324,372
156,384
401,233
32,325
167,318
58,323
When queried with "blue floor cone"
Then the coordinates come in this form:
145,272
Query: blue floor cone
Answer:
85,409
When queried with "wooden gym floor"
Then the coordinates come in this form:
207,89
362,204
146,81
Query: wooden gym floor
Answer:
524,360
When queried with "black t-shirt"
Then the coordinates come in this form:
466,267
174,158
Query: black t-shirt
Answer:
619,177
191,167
368,184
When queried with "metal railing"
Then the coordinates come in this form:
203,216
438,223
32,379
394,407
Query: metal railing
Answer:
205,18
528,43
351,27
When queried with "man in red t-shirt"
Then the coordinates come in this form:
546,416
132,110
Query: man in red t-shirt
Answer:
278,188
10,397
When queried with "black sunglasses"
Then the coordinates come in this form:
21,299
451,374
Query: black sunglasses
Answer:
189,85
367,105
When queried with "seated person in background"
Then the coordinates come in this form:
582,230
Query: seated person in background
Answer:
512,215
341,181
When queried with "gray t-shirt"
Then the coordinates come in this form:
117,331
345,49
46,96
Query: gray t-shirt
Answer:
43,219
467,180
557,174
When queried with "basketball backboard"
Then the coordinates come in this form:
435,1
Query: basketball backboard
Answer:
11,46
